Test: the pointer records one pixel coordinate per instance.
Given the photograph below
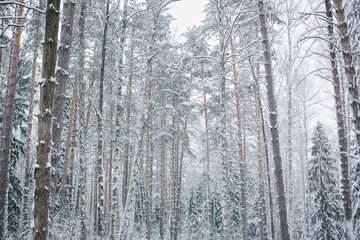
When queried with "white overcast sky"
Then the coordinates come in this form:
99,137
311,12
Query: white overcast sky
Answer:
186,13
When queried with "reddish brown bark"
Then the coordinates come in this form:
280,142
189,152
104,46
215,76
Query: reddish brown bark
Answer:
62,76
45,118
162,172
241,155
350,74
30,119
7,127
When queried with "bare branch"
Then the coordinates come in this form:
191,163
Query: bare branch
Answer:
22,4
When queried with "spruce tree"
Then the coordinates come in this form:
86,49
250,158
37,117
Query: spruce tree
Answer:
323,189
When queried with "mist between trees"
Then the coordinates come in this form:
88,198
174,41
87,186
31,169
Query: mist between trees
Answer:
247,127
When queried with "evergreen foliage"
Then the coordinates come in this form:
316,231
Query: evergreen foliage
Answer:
323,188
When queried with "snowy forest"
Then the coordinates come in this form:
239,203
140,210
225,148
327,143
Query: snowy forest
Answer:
245,125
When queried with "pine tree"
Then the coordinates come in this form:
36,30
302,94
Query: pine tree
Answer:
324,189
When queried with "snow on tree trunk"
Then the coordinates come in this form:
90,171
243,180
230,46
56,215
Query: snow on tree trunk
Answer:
244,209
342,138
127,222
30,119
62,76
45,119
6,139
82,121
118,113
274,125
100,140
163,171
207,157
261,201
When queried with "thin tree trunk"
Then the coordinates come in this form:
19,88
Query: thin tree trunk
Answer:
244,211
173,176
127,226
62,76
111,156
82,121
262,203
30,119
47,87
289,80
274,125
100,206
73,143
350,73
147,167
67,148
148,131
10,102
95,196
207,157
179,177
118,113
162,170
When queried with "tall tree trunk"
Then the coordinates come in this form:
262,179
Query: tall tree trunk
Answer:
225,186
118,113
179,180
261,202
62,76
82,120
174,155
342,138
73,144
268,174
30,119
47,87
71,127
244,211
207,157
10,102
352,84
111,150
179,176
100,206
289,82
162,169
95,196
127,224
148,129
147,166
274,125
271,206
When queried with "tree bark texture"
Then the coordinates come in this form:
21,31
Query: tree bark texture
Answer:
349,71
82,120
71,127
278,171
118,113
45,119
30,118
6,141
100,140
342,138
148,129
62,76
